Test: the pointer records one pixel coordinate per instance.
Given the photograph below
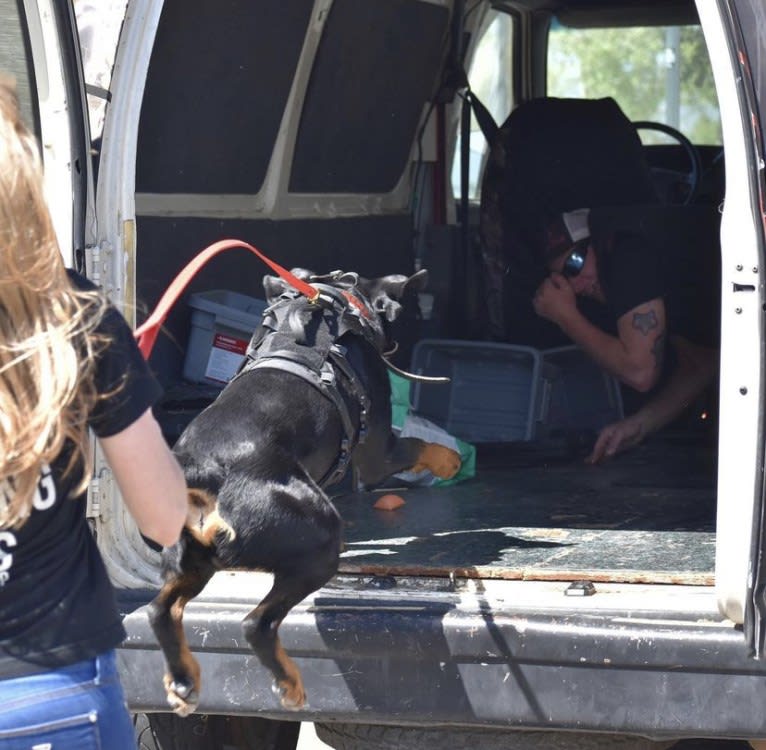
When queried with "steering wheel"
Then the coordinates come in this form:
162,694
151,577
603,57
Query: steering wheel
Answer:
669,180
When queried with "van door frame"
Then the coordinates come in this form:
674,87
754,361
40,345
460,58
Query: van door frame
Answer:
64,129
740,442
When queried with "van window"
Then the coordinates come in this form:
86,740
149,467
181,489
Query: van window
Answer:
490,75
659,73
98,26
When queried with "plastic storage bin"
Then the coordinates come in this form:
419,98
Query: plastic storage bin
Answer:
574,393
492,393
222,323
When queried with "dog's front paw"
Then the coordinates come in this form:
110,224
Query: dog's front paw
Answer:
182,696
441,461
291,694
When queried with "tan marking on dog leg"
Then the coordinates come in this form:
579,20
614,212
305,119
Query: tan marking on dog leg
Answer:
183,703
291,691
202,499
203,520
181,699
441,461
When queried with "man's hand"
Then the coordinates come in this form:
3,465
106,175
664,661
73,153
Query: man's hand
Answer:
617,437
555,299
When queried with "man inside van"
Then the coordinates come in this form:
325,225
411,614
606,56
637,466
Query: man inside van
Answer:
661,339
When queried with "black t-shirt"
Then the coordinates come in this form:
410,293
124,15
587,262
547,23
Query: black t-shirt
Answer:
632,272
57,604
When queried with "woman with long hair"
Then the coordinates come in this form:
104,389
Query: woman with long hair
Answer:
68,366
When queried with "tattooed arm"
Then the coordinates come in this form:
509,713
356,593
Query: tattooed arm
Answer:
695,369
636,354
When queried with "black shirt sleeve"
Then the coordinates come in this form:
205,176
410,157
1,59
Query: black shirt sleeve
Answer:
123,379
632,273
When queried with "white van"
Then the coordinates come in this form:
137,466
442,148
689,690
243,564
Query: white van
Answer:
537,594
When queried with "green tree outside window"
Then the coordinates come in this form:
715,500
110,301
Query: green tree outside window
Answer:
654,73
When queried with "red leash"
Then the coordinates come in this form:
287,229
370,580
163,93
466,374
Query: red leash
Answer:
146,333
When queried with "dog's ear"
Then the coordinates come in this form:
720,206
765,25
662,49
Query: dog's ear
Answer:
275,286
398,285
389,290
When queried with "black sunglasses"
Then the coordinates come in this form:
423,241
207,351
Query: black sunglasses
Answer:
575,261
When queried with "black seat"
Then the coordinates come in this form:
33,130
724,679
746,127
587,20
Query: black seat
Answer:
550,155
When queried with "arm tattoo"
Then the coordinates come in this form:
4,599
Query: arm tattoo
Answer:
645,321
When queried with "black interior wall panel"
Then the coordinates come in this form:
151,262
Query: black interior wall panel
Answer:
369,246
214,96
376,67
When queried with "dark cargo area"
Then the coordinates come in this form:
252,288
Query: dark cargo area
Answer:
535,511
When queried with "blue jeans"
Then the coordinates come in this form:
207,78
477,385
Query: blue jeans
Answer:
79,707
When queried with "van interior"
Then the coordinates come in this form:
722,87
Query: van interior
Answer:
360,147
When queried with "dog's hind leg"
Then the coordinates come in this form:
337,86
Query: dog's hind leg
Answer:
182,676
404,454
261,630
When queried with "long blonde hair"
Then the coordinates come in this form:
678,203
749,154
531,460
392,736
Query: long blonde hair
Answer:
47,341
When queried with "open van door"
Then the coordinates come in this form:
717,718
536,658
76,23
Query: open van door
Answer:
735,48
39,48
742,91
746,13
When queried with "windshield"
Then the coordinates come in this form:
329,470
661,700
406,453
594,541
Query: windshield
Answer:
659,73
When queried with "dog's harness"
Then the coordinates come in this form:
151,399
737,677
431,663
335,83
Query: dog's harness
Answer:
301,337
281,343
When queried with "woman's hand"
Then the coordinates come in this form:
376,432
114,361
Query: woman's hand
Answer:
617,437
555,300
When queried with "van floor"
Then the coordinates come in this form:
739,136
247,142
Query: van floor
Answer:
537,511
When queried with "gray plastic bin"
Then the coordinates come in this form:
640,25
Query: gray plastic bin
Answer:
491,396
222,323
574,393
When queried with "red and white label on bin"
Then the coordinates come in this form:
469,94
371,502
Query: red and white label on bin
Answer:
226,355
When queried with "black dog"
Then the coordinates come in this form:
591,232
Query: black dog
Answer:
312,397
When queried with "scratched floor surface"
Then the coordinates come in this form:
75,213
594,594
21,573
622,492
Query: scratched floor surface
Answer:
537,511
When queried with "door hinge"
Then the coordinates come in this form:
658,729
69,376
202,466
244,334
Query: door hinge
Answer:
93,507
92,263
99,484
97,259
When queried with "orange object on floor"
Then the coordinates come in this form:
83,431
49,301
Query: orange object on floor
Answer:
389,502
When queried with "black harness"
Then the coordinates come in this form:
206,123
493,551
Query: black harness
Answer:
301,337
